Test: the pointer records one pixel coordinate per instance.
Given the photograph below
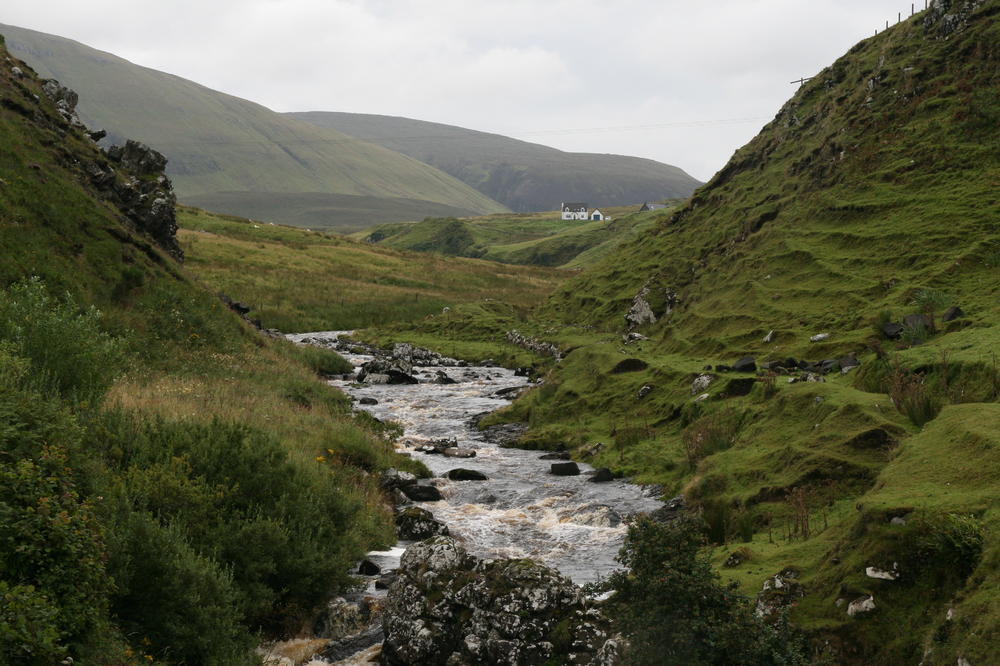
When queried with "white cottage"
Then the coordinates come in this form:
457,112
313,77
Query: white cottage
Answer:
574,211
596,215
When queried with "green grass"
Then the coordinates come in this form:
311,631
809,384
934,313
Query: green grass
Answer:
539,239
220,144
854,202
135,410
296,280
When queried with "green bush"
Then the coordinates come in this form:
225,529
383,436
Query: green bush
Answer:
52,555
68,352
183,605
674,610
281,526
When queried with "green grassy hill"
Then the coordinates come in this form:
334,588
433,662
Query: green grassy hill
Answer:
538,239
523,176
874,195
174,486
296,280
234,153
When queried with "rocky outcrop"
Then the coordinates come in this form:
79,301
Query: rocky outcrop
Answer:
533,345
651,303
447,607
779,591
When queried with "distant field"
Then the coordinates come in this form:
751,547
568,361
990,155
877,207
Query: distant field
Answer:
538,239
298,280
343,213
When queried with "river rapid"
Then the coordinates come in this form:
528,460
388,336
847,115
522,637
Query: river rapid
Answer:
522,510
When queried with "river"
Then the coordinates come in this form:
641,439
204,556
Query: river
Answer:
522,511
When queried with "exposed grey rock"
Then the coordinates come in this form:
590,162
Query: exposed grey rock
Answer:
17,71
422,493
671,509
462,474
769,338
701,383
368,568
602,475
459,452
441,377
819,337
343,618
533,345
861,606
558,455
745,364
644,391
387,371
897,520
564,469
882,574
892,330
642,311
394,478
368,401
779,591
952,313
447,608
414,524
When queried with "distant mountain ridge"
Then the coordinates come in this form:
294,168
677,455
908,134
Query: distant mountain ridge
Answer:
217,143
523,176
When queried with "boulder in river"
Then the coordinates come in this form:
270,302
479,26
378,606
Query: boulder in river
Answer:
448,607
459,452
422,493
368,401
414,524
394,478
602,475
565,469
462,474
368,568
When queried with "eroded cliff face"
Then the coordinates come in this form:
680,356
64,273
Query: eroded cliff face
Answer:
131,178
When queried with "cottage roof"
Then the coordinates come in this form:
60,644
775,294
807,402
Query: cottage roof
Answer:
574,208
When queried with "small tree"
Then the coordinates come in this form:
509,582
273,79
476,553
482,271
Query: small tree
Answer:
674,610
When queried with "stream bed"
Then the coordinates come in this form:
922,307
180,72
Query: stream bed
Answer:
522,510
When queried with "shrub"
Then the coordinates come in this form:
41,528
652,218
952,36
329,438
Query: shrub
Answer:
51,556
674,610
68,352
911,396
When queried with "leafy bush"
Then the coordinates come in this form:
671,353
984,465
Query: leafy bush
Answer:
947,542
674,610
68,352
51,557
282,527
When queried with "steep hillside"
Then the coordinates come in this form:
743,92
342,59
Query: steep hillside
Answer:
174,485
522,176
854,455
230,151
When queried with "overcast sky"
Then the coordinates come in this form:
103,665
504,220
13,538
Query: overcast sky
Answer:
682,82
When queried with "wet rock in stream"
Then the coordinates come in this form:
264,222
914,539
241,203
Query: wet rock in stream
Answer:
449,607
415,524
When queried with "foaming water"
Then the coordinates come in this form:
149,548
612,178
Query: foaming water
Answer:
522,511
